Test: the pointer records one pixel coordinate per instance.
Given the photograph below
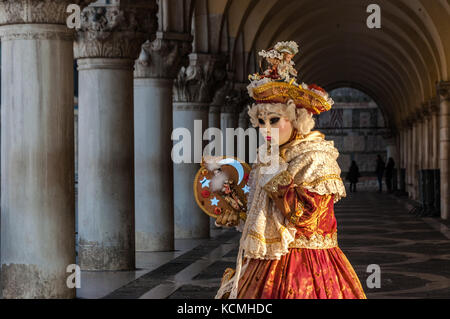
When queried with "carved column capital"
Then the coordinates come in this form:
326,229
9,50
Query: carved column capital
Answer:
403,124
115,31
221,94
417,115
409,121
426,110
434,107
236,101
443,90
200,79
36,11
164,56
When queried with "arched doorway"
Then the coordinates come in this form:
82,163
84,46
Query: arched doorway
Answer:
358,129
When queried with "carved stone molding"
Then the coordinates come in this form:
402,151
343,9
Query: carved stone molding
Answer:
197,107
163,57
35,32
36,11
115,31
199,81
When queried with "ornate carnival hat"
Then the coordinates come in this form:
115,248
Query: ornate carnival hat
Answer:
290,47
278,84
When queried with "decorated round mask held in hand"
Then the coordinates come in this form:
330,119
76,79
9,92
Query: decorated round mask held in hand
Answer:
220,187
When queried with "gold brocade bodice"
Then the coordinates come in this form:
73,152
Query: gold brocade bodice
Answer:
313,170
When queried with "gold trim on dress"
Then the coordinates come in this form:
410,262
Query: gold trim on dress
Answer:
316,241
322,179
261,238
283,179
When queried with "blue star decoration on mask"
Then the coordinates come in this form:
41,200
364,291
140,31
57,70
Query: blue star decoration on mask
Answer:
246,189
205,182
214,201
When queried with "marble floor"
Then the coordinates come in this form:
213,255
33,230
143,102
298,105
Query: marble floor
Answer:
413,255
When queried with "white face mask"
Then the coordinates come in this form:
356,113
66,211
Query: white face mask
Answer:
275,128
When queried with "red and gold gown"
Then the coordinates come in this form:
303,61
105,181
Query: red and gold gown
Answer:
289,248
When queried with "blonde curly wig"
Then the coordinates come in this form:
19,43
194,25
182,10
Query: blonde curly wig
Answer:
300,118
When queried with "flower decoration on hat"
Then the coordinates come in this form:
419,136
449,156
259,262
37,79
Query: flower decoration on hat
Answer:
278,83
290,47
272,54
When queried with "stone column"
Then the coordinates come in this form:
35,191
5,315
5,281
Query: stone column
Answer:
244,119
401,143
420,146
107,45
444,103
407,160
228,121
418,151
214,116
425,137
215,122
402,166
413,159
37,149
155,71
435,134
427,134
229,117
410,160
194,89
215,109
420,140
435,165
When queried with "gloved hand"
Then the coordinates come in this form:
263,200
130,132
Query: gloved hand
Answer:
229,218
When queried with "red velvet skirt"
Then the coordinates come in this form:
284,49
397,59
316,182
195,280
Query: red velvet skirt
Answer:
302,274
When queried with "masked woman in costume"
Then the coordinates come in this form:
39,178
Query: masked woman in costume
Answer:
289,247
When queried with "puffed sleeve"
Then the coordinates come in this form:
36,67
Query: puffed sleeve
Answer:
296,203
309,208
281,190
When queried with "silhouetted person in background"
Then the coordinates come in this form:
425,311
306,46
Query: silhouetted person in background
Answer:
380,171
352,176
390,173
